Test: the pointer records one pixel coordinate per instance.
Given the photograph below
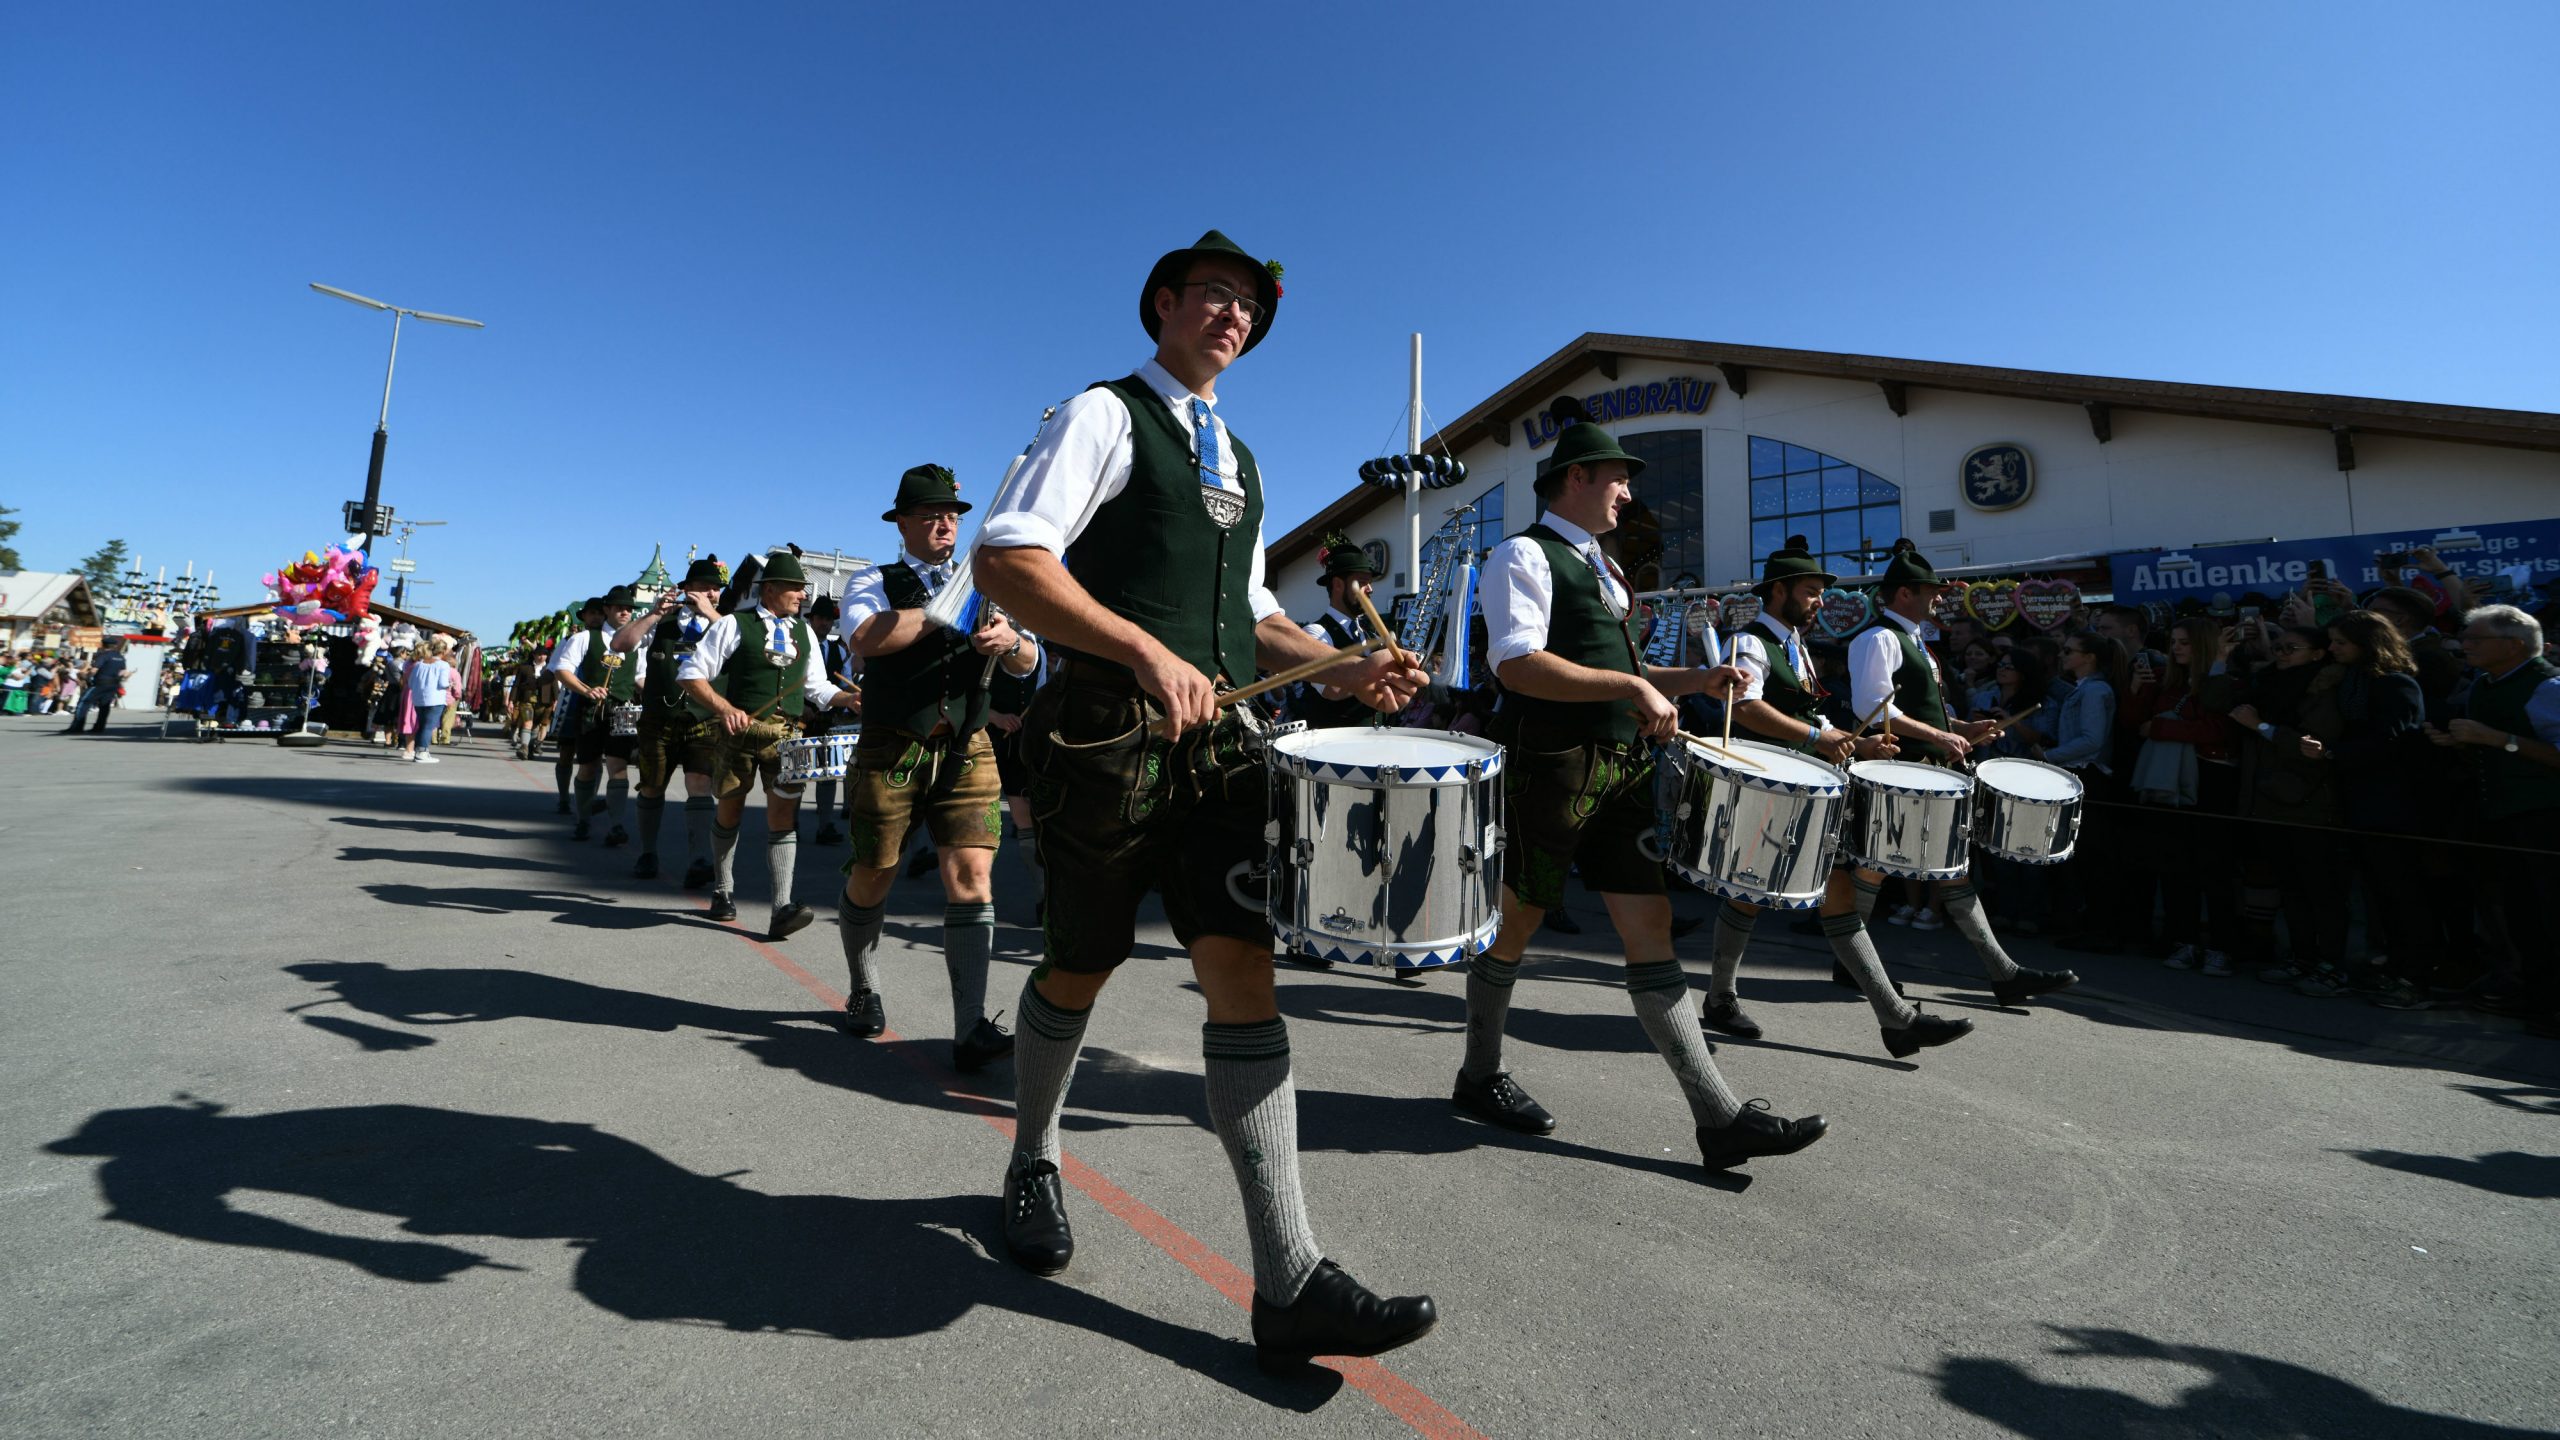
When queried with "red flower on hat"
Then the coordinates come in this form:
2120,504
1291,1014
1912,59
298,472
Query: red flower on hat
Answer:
1274,267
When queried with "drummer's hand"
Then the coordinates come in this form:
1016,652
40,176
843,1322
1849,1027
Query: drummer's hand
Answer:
995,638
1834,746
1722,682
1878,747
1385,682
734,720
1954,744
2312,749
1974,732
1656,718
1187,697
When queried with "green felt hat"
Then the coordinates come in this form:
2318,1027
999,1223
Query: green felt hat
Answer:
1580,442
1909,568
1170,271
619,596
705,571
1341,557
926,485
1789,564
592,602
782,568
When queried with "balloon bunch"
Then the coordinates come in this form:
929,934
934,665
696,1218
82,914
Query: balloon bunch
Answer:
327,587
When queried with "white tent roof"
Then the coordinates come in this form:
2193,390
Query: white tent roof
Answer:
28,594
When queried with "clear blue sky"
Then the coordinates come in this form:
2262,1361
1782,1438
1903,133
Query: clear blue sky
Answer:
741,265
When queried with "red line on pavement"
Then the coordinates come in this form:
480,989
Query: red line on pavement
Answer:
1392,1392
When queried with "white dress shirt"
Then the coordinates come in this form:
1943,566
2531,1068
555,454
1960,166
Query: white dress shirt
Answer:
1517,591
571,653
1874,656
1750,653
868,595
711,654
1082,460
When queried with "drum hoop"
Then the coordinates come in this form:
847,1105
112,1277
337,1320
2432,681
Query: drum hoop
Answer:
2079,790
1891,788
1723,891
1464,772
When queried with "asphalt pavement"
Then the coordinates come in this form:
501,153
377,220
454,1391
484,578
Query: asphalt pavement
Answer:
350,1097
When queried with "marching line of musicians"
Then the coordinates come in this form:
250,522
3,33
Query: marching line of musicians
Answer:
1130,542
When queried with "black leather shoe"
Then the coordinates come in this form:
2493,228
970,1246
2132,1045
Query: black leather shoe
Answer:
698,874
923,863
863,1018
1725,1013
1497,1101
1406,978
1310,961
564,804
616,836
2015,990
582,831
1842,978
1757,1132
646,867
1562,923
1924,1032
1036,1233
827,835
790,920
722,907
1335,1315
986,1041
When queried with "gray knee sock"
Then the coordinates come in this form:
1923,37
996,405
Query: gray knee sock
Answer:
653,817
724,858
561,771
782,854
1044,1060
858,927
1733,933
968,940
1965,908
585,790
617,798
1253,1105
1659,990
1489,983
1867,891
699,812
1856,952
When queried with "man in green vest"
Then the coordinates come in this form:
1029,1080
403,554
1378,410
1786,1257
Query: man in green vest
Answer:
566,710
1131,540
602,680
752,675
1781,703
1893,676
2509,734
672,737
1580,715
925,758
1348,574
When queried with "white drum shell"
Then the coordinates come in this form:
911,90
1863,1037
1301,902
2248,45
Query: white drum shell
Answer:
1907,824
2023,815
818,757
1384,850
1764,838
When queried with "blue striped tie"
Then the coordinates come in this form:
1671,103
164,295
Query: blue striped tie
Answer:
1204,436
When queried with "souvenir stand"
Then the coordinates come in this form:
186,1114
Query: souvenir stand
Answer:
272,693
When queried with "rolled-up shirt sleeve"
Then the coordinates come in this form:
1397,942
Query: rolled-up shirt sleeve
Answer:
1516,592
1873,657
867,596
1750,657
569,654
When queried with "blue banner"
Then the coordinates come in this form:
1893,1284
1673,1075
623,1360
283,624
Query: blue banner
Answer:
2526,551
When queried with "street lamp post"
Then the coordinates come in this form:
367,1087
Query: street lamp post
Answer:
403,567
371,518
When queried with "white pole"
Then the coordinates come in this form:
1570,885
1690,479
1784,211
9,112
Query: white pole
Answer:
1413,483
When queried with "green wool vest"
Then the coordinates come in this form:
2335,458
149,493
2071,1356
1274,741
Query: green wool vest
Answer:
1317,711
755,684
1915,690
667,649
1153,556
591,666
1580,629
2510,784
935,681
1788,692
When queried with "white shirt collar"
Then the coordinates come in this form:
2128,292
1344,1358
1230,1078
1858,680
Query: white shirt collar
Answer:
1570,533
1905,621
1176,395
914,561
1778,627
1338,618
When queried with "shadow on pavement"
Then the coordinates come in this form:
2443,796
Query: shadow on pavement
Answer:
653,1240
439,827
594,912
2533,1099
452,859
2508,1172
2241,1397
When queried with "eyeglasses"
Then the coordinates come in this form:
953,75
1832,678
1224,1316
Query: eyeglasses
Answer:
1220,297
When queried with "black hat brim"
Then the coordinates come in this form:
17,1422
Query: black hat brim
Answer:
1170,270
891,514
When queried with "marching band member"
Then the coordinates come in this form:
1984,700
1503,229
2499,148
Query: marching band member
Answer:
671,736
566,709
753,673
925,759
1578,787
1132,541
1346,568
1889,666
1781,702
587,665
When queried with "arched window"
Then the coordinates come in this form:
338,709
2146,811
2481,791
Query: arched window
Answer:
1837,507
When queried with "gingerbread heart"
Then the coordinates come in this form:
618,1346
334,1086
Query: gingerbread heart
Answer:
1993,602
1705,615
2046,604
1844,613
1949,606
1740,610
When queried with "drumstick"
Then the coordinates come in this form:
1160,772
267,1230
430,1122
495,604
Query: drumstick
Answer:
1870,720
2008,721
1378,627
1737,757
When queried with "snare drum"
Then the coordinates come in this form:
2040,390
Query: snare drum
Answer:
2030,810
1908,819
1761,836
818,757
1383,845
626,719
